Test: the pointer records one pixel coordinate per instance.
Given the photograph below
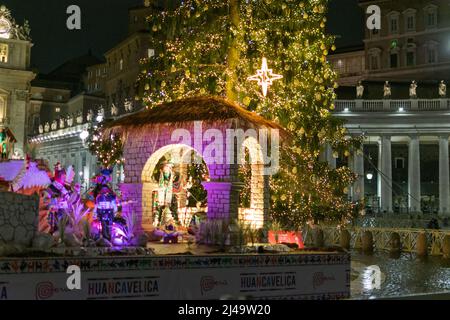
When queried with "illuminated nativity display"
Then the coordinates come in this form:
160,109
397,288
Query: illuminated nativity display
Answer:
195,143
184,164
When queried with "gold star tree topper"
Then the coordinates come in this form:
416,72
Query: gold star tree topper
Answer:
265,77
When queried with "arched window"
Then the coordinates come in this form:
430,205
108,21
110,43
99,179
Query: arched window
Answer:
394,58
431,18
4,52
374,58
3,105
431,52
393,22
410,54
34,123
410,20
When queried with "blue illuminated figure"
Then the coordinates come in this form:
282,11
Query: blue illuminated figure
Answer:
105,210
105,202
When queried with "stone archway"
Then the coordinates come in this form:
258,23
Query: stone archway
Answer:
180,155
256,214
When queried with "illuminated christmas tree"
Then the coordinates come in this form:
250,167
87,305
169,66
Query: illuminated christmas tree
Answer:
271,57
108,151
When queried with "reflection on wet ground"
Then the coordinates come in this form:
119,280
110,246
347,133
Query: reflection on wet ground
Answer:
384,275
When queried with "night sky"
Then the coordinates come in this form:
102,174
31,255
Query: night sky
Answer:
104,24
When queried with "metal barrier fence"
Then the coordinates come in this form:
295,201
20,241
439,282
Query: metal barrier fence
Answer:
402,221
382,238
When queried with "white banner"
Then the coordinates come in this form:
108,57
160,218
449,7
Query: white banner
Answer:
294,276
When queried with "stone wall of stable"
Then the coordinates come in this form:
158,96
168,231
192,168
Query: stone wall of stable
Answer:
142,144
18,218
144,147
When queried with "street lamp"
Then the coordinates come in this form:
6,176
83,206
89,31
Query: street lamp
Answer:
84,135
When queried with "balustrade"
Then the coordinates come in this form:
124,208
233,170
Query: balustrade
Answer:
388,105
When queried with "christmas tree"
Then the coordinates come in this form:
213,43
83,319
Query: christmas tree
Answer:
212,47
107,150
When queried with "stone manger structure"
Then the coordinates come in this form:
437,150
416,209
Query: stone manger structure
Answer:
211,131
192,126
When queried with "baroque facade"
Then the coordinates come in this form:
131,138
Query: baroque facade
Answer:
47,111
115,79
404,164
15,79
412,42
60,112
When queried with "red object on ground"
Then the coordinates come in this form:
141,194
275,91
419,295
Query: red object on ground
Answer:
287,237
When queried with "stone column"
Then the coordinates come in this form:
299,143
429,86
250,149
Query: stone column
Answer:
219,199
358,167
233,213
351,167
444,190
414,174
378,172
86,170
91,165
266,200
358,104
328,151
17,116
386,176
79,167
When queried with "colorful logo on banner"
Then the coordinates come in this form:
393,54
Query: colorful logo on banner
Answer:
320,279
46,290
208,283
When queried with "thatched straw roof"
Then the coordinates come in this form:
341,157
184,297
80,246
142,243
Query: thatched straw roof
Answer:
192,109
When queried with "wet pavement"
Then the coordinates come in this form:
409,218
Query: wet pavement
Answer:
383,275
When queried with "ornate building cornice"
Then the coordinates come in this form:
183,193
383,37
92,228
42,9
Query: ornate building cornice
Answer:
9,29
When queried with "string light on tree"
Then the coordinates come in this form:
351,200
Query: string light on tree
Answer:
265,77
212,50
107,150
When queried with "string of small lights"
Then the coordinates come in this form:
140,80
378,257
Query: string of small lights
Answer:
109,152
211,47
